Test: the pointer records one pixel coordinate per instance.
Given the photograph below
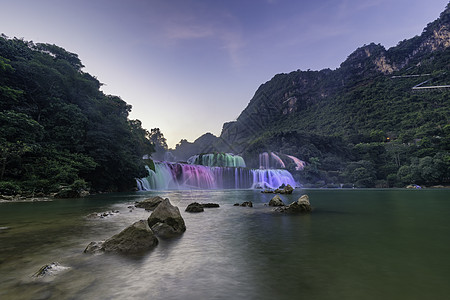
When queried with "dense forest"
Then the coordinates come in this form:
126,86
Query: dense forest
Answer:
58,131
381,119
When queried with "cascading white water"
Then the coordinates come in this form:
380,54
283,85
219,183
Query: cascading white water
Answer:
264,162
169,176
217,160
219,171
279,162
299,164
272,160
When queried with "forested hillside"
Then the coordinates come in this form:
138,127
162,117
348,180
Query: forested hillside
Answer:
380,119
58,129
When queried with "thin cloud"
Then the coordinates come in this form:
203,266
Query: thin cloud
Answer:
348,8
223,30
187,32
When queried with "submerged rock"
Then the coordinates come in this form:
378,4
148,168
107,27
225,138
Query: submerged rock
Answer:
94,247
302,205
210,205
247,204
50,270
413,186
276,201
266,191
102,215
150,203
194,207
136,238
166,220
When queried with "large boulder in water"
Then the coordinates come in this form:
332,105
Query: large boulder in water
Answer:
194,207
150,203
284,189
276,201
302,205
136,238
166,220
200,207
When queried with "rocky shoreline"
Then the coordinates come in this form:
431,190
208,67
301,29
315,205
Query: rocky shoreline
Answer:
20,198
27,197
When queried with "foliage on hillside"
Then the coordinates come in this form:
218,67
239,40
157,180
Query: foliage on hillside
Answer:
362,123
57,127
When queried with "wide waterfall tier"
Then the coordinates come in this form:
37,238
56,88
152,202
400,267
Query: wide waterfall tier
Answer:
217,160
170,176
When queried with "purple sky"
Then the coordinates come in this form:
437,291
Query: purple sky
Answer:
188,66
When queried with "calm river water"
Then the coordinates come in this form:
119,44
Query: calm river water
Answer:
356,244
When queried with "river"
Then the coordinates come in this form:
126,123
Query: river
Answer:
356,244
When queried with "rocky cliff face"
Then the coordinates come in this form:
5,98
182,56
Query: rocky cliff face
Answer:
289,95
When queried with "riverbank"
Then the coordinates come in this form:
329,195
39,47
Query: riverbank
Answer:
20,198
50,197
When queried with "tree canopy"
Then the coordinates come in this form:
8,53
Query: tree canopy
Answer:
57,127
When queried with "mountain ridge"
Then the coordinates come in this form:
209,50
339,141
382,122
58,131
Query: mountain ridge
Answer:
288,93
362,123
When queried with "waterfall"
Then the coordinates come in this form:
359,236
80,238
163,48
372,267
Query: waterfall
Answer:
217,160
272,160
264,162
299,164
278,161
169,176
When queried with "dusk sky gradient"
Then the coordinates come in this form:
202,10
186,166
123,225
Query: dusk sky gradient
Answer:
188,66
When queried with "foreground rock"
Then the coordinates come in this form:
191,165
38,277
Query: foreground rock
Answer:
276,201
166,220
150,203
302,205
136,238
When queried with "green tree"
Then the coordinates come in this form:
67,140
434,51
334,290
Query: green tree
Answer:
19,134
158,140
